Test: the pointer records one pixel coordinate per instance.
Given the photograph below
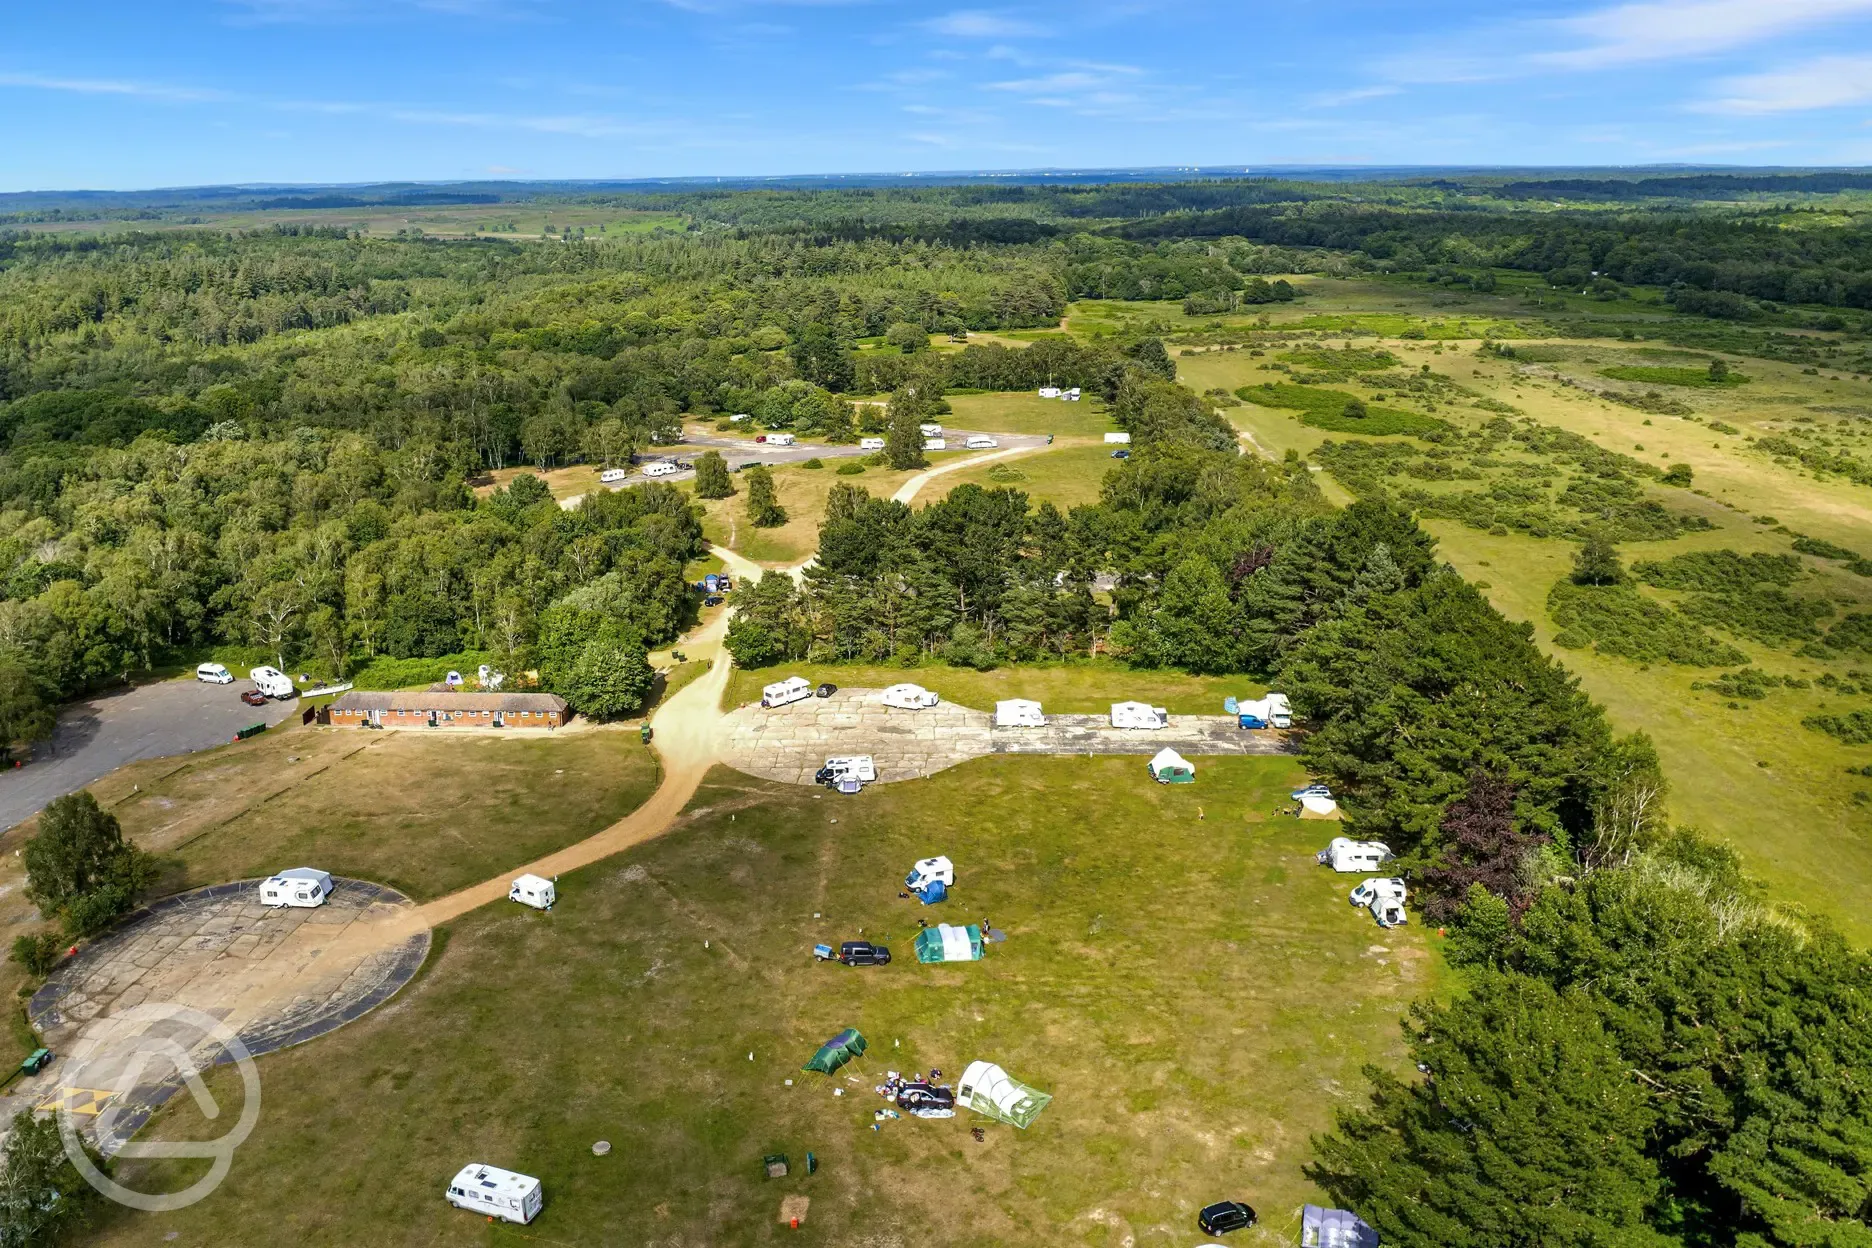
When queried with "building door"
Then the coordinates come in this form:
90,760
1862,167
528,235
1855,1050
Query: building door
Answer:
500,719
433,720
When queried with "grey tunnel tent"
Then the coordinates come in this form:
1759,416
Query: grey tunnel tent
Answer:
948,943
1334,1228
835,1052
989,1090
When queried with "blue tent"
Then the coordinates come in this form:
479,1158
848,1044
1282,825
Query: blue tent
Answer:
933,892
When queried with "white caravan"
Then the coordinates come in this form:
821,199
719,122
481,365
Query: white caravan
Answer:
930,431
781,693
1072,395
272,682
1118,439
1138,715
1385,900
935,444
214,674
858,767
662,468
981,442
1050,392
611,476
928,871
300,888
909,697
496,1193
779,439
870,444
1346,855
1018,713
533,890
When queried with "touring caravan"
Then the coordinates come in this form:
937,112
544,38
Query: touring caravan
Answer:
781,693
300,888
662,468
1385,900
870,444
1018,713
1138,715
611,476
272,682
980,442
930,431
935,444
1050,392
533,890
908,697
779,439
1350,857
496,1193
1118,439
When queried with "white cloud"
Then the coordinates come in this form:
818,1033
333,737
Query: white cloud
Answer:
110,86
1333,99
983,24
1829,82
1660,30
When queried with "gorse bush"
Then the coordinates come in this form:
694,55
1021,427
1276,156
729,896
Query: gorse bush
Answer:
1618,620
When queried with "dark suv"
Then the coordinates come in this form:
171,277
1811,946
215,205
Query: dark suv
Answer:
1225,1216
863,953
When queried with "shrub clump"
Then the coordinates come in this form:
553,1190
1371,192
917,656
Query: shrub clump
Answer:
1854,727
1618,620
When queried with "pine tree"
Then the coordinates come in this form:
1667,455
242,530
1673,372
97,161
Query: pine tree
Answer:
763,508
903,440
712,479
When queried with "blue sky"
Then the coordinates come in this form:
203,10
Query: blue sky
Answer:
115,94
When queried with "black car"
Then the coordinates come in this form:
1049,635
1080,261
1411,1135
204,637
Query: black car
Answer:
1121,454
863,953
1225,1216
712,600
926,1100
826,691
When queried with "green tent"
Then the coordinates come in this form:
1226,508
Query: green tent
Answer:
948,943
835,1052
987,1089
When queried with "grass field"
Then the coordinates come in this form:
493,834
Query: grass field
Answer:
802,492
1067,688
1066,476
1192,990
1028,413
1749,773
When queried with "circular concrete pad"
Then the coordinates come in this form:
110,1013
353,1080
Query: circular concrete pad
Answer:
274,977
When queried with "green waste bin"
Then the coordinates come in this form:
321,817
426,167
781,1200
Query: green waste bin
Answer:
644,734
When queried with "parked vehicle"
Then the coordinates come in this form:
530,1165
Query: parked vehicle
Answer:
611,476
662,468
863,953
927,871
214,674
1351,857
1315,789
496,1193
908,697
779,439
253,697
1384,898
827,690
1139,715
783,692
870,444
712,600
858,766
980,442
1118,439
935,444
930,431
273,682
300,887
926,1100
1225,1216
760,437
1121,454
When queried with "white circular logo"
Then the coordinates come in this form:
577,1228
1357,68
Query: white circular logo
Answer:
152,1044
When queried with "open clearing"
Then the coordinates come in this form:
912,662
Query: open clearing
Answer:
1066,688
1193,991
1067,475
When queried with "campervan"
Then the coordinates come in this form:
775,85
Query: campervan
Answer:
980,442
214,674
1138,715
611,476
533,890
928,871
930,431
935,444
300,888
1072,395
779,439
496,1193
272,682
858,767
781,693
870,444
662,468
1385,900
1018,713
908,697
1349,856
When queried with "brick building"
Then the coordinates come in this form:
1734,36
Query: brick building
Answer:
448,708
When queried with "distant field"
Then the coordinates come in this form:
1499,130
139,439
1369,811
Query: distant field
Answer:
1067,476
1029,413
1191,989
1069,688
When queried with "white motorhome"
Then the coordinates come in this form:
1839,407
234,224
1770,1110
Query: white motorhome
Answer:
214,674
1384,898
662,468
1346,855
611,476
1118,439
272,682
1072,395
927,871
930,431
1050,392
1019,713
935,444
779,439
533,890
870,444
784,692
496,1193
738,417
1138,715
981,442
908,697
299,887
858,767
